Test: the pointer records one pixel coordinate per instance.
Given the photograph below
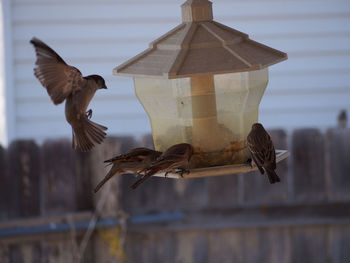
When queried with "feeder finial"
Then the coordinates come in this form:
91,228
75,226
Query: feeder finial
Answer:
197,10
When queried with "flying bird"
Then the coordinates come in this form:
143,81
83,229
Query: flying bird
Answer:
134,161
175,159
262,151
65,82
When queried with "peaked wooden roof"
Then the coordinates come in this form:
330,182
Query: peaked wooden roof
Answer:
199,46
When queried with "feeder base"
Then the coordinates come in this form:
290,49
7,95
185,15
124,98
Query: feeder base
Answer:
223,170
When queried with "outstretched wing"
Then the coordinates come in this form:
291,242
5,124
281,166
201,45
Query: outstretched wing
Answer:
54,73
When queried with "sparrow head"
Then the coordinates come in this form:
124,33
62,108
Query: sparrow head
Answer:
99,81
257,126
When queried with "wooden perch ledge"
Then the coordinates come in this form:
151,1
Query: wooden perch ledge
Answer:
223,170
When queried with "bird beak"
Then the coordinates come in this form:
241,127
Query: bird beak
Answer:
104,87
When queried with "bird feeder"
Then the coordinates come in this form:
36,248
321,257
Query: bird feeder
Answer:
202,83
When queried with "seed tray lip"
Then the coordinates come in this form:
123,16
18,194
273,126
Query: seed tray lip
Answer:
222,170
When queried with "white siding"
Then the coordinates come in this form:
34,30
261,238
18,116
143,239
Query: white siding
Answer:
3,136
308,89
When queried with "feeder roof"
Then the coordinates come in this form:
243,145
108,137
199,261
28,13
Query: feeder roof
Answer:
200,46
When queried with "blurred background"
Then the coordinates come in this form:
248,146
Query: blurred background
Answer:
46,204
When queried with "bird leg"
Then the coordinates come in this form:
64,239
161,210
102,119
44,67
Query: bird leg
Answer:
250,162
89,114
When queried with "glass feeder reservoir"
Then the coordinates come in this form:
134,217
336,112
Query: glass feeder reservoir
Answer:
202,83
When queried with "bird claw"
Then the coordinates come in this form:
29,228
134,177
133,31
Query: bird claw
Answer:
181,171
89,114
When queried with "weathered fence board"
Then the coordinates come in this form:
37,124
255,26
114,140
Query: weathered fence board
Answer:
58,177
5,253
192,247
226,246
83,184
23,170
340,244
267,245
308,155
219,194
23,195
25,253
310,244
338,163
151,248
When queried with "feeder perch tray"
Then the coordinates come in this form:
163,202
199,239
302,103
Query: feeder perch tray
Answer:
223,170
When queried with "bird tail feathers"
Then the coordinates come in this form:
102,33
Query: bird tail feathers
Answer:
151,172
108,176
273,177
88,135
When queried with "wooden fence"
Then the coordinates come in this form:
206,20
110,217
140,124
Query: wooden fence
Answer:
49,214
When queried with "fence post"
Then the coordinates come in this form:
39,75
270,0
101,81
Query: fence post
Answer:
22,192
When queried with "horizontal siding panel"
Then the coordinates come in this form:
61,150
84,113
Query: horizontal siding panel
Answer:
134,125
310,72
305,101
25,51
296,26
238,10
315,63
273,91
159,26
286,120
41,109
94,12
84,2
332,43
282,10
302,81
76,31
